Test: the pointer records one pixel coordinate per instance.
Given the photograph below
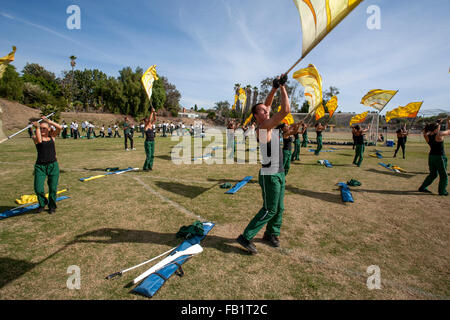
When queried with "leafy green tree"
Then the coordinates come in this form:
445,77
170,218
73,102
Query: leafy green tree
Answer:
11,85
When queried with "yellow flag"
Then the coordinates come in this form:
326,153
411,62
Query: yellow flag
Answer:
235,101
332,105
319,17
289,119
26,198
408,111
359,118
312,82
4,61
320,112
242,98
147,80
248,119
377,98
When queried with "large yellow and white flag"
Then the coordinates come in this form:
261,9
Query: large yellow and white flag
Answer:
319,17
4,61
289,119
359,118
242,98
409,111
312,82
147,80
377,98
332,105
235,102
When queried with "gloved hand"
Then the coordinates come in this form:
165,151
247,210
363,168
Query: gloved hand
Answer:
276,83
283,79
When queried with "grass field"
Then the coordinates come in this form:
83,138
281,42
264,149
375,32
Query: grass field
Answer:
118,221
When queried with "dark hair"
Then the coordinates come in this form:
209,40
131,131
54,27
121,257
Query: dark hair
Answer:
317,123
431,127
254,108
357,127
399,130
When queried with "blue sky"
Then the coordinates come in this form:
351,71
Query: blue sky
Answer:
204,47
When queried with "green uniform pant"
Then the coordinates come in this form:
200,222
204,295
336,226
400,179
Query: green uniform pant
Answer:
273,206
150,153
296,154
41,172
359,154
437,165
287,161
319,145
305,141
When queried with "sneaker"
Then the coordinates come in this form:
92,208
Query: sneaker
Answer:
273,239
127,149
133,149
51,210
444,194
247,244
39,210
425,190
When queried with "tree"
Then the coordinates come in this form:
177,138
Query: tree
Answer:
173,97
11,85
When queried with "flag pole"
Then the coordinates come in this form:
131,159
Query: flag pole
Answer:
20,131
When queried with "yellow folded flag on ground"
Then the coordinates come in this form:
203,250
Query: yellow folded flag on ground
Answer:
332,105
408,111
4,61
377,98
147,80
320,112
359,118
33,198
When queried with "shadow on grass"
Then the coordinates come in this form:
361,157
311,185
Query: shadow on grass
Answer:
324,196
392,174
11,269
185,190
164,157
253,181
393,192
113,236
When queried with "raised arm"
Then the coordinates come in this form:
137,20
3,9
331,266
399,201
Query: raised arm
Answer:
57,126
38,137
446,132
275,86
284,111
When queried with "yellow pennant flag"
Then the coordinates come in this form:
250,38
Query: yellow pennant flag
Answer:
289,119
4,61
320,112
311,80
235,101
248,119
408,111
147,80
242,98
377,98
359,118
332,105
319,17
26,198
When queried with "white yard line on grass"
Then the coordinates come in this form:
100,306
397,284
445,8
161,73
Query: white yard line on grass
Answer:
172,203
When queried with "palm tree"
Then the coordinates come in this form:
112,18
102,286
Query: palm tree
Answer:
255,96
237,86
73,64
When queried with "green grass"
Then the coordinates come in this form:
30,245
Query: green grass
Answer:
117,221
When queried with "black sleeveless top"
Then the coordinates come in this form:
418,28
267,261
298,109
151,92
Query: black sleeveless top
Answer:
319,133
437,147
297,136
359,139
401,140
46,152
149,135
266,159
287,143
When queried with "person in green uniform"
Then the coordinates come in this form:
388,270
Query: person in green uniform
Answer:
46,165
297,143
127,134
149,143
358,134
437,161
319,129
288,132
271,176
402,135
304,133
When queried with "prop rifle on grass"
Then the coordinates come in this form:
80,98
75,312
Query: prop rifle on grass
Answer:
193,250
20,131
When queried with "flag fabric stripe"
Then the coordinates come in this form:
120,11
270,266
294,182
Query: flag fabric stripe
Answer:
311,80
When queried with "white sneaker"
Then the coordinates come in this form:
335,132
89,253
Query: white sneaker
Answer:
134,149
127,149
